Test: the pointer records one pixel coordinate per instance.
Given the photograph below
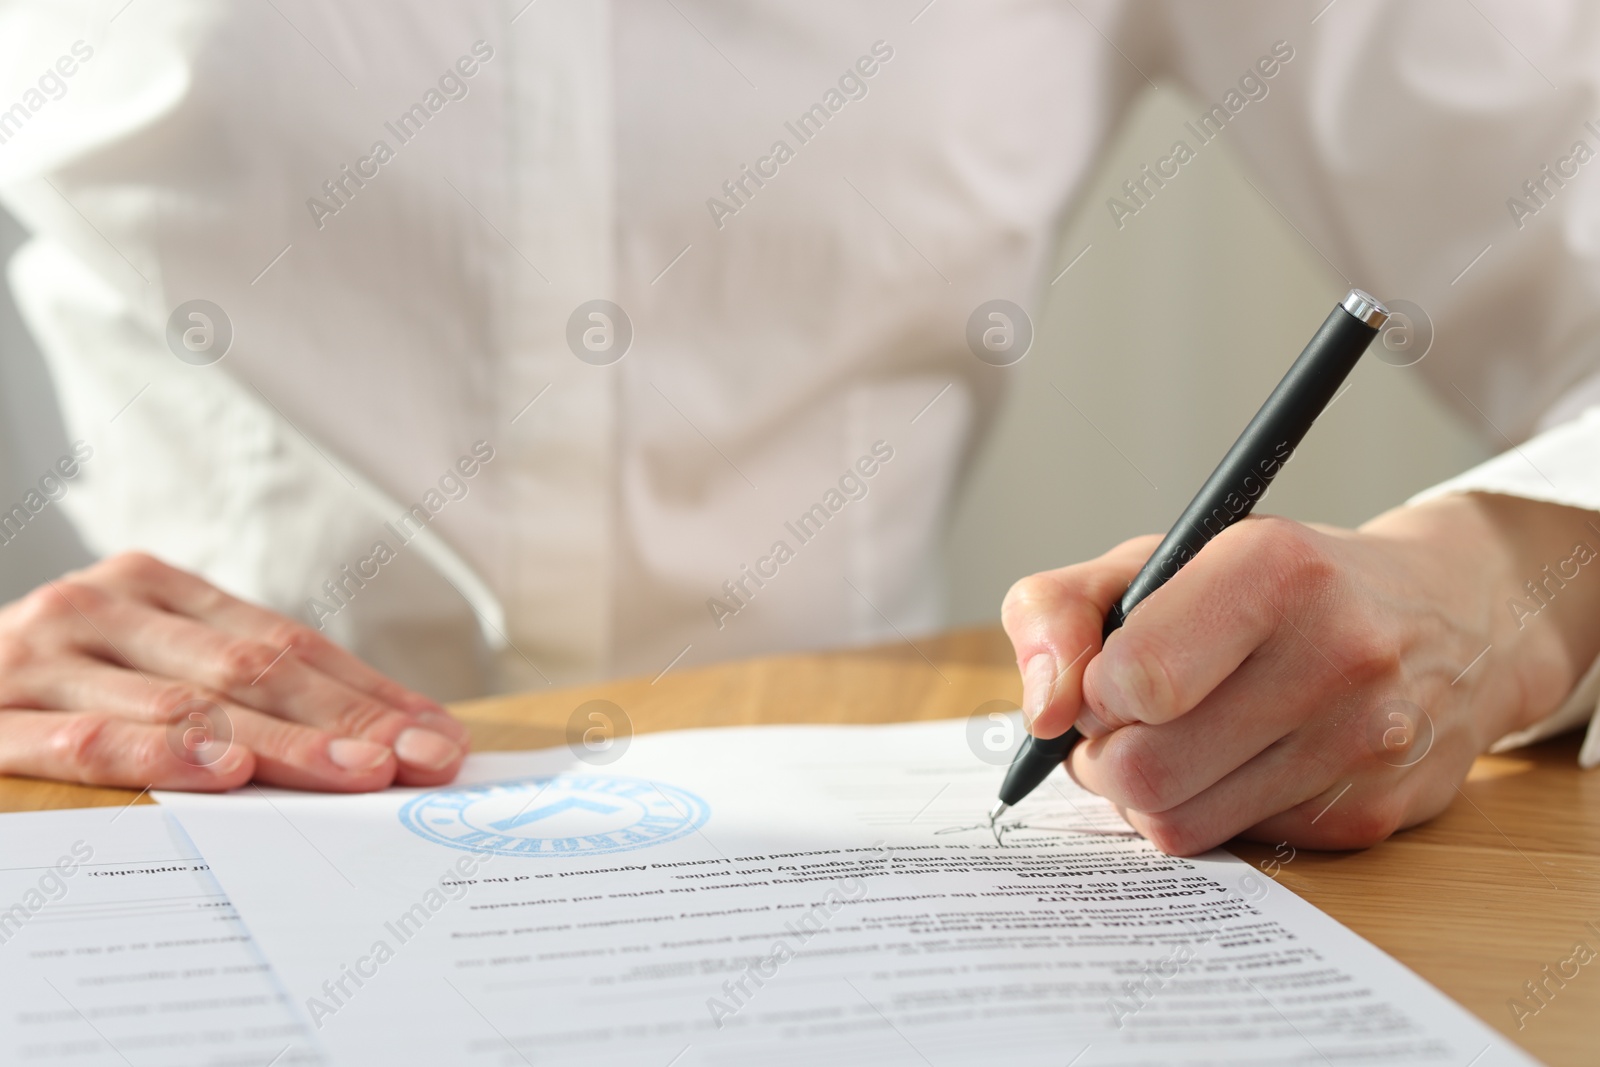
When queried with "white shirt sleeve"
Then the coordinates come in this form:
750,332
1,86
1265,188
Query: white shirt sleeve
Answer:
1425,157
1559,466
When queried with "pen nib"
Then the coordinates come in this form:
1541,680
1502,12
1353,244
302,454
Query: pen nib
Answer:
999,809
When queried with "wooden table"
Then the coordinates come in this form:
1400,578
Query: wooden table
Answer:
1477,901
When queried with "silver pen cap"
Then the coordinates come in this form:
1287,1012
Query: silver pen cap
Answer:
1365,307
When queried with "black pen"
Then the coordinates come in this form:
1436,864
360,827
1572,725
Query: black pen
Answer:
1228,495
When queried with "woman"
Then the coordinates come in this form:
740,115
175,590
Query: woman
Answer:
564,318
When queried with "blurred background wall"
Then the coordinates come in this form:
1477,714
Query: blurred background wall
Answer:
1150,355
31,440
1166,334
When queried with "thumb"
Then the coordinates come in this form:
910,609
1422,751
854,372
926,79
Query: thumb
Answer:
1054,619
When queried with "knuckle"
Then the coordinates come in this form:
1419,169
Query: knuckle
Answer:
135,565
77,740
1367,824
1141,669
1365,654
288,634
53,604
1140,778
1029,595
279,741
207,598
1173,834
363,717
1293,555
171,700
1288,556
85,743
16,655
392,693
240,663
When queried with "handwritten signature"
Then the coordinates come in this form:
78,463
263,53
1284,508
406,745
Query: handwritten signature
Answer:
1002,828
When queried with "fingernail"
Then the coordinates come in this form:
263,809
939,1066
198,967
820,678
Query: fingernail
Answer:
354,754
225,763
1089,725
425,749
1038,684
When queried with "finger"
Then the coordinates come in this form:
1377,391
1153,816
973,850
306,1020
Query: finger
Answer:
1196,630
324,758
301,757
187,594
1316,762
1153,768
1361,809
95,748
255,674
1054,620
202,730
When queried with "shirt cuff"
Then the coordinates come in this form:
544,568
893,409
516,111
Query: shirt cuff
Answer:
1560,466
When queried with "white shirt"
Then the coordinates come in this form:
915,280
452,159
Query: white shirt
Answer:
791,309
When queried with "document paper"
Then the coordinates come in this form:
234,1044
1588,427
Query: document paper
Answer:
792,895
118,947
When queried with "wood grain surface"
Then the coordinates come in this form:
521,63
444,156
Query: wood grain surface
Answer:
1477,902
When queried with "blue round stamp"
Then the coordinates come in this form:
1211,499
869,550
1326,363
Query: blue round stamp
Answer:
556,815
